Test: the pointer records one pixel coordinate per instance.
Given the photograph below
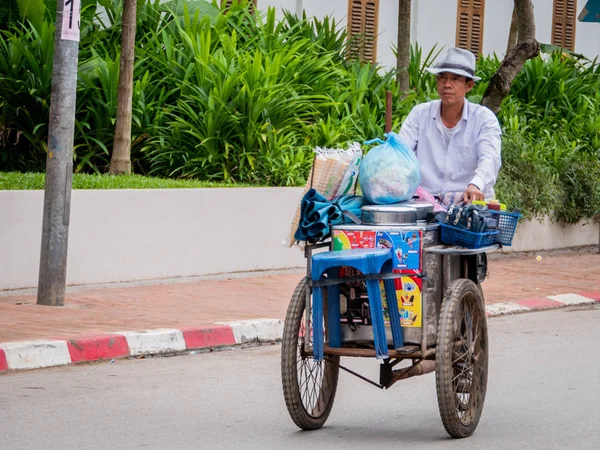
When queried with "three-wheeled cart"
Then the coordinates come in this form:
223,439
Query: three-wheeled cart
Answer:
440,308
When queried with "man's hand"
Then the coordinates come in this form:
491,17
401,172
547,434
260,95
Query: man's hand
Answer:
472,193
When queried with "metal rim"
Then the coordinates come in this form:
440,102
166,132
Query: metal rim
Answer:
469,359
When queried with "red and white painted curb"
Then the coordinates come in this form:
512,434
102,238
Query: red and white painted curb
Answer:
537,304
54,352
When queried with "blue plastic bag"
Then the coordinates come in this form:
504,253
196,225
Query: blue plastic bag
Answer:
390,172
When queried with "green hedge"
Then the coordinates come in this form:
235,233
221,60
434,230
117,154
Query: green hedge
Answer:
566,189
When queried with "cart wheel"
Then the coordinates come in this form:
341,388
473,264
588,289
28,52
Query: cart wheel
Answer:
461,360
308,386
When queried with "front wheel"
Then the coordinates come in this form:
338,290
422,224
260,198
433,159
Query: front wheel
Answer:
308,386
461,358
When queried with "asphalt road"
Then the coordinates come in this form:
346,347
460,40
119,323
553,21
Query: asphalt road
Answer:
543,393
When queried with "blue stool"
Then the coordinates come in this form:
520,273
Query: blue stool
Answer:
369,262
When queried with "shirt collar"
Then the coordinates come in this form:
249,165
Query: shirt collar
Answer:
436,111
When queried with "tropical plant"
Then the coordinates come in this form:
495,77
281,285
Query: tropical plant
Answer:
25,85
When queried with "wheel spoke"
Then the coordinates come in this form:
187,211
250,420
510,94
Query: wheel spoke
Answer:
463,371
310,375
467,336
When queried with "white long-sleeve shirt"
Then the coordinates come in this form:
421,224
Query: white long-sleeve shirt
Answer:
451,159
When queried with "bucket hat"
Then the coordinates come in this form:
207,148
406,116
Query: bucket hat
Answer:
457,61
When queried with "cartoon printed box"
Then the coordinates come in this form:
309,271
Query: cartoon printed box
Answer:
407,247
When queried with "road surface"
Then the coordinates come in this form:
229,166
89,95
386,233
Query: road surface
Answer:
543,393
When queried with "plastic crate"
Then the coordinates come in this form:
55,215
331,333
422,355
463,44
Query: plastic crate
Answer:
507,224
468,239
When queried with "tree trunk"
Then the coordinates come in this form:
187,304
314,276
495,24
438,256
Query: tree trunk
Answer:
527,47
403,57
120,162
513,35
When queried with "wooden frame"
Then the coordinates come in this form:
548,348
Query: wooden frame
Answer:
363,20
469,25
564,20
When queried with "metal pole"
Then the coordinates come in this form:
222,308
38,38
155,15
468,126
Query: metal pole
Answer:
59,162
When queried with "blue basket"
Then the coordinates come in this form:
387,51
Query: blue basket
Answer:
468,239
507,224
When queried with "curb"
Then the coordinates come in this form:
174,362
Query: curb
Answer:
542,303
24,355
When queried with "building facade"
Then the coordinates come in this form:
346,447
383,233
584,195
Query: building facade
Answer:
481,26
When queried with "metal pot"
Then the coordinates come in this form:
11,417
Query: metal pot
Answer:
396,214
423,208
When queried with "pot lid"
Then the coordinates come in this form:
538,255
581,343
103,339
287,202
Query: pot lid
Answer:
393,208
420,205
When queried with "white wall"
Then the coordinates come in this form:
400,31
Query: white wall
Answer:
587,39
587,35
126,235
279,5
333,8
498,15
388,32
388,22
436,23
532,236
497,18
542,10
129,235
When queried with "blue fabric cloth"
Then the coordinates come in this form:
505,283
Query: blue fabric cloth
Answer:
317,214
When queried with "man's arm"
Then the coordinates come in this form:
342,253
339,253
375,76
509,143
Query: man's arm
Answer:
409,132
489,143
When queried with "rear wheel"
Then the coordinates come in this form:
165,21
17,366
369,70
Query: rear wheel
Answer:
462,358
308,386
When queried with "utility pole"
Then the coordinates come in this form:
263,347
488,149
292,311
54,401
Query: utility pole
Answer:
59,162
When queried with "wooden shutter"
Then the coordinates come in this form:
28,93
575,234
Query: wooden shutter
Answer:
469,25
563,23
363,18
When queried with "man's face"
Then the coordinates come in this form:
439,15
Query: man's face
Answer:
452,88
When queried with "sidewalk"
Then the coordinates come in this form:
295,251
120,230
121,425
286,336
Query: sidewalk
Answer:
512,278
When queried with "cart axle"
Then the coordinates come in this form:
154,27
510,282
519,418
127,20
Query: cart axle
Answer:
388,376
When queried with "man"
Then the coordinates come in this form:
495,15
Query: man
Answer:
456,142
